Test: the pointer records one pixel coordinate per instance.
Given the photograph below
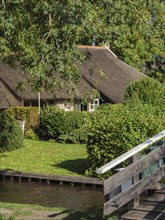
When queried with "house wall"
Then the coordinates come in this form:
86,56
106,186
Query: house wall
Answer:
66,107
78,106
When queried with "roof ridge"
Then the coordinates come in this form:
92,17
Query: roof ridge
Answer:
90,46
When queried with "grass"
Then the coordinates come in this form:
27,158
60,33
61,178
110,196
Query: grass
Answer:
47,157
20,211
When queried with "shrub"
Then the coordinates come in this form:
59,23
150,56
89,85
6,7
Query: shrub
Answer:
80,135
148,91
52,123
118,129
31,134
62,126
115,129
3,217
76,136
11,134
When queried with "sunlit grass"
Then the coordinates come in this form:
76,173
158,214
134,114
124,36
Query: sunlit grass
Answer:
46,157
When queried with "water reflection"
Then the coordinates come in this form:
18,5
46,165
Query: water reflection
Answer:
76,198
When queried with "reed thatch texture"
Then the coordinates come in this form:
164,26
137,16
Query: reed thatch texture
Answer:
101,70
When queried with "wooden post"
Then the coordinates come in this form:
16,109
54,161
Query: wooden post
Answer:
135,179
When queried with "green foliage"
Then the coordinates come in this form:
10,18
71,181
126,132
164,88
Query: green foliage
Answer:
31,134
11,134
115,129
42,36
148,91
27,114
119,128
3,217
62,126
76,136
52,123
136,33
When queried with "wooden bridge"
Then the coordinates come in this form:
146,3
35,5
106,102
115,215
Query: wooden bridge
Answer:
135,185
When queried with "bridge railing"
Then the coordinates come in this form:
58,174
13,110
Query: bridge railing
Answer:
127,184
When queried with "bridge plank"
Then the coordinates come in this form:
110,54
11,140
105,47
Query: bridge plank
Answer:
154,203
136,214
155,209
158,208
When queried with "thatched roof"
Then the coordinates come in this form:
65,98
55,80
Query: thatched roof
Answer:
102,70
6,97
107,73
10,78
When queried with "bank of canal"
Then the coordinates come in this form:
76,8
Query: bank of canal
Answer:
76,193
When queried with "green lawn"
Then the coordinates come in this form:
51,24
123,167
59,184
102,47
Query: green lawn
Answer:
47,157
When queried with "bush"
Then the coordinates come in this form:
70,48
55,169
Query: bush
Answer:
76,136
3,217
52,123
11,134
118,129
115,129
62,126
31,134
148,91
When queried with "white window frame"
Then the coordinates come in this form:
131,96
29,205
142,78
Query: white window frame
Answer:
93,105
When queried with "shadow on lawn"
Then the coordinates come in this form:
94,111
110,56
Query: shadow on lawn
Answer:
77,166
70,215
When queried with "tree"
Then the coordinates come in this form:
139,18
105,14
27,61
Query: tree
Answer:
148,91
136,33
41,36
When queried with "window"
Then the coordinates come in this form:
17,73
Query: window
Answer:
93,105
77,107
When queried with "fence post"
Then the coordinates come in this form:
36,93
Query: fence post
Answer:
135,179
22,124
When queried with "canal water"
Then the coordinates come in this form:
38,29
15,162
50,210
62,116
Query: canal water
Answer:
77,198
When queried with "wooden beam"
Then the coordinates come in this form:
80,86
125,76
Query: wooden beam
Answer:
130,153
129,194
133,169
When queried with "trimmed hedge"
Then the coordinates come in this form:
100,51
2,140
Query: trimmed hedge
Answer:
11,134
28,114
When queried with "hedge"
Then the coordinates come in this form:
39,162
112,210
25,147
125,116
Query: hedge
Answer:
28,114
11,134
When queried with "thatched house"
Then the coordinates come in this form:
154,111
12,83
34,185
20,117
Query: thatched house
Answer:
102,71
